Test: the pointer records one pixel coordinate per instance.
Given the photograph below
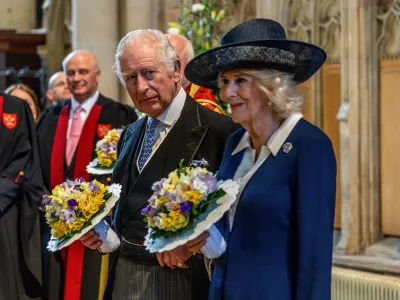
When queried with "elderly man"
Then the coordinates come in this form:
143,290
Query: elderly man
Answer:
57,88
67,134
184,52
176,127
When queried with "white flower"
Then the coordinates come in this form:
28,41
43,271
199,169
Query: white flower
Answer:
173,30
197,7
199,185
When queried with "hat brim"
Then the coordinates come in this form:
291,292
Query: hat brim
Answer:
297,58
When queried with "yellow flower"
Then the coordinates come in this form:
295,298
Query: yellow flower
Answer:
193,196
163,200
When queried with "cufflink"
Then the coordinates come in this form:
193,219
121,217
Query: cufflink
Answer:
287,147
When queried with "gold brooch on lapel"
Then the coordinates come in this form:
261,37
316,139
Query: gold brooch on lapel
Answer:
287,147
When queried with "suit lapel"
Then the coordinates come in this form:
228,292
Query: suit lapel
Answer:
126,157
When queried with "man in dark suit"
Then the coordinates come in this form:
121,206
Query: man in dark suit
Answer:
175,127
67,135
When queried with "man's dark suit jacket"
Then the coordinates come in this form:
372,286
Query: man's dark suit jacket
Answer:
198,133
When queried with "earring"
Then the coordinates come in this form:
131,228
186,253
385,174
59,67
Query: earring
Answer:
269,103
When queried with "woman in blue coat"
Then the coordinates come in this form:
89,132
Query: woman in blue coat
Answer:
279,232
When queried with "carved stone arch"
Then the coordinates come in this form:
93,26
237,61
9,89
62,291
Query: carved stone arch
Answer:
389,29
329,28
300,20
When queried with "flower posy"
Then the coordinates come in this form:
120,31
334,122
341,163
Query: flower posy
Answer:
179,200
106,149
73,204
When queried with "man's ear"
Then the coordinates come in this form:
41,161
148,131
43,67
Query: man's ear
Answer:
49,95
177,71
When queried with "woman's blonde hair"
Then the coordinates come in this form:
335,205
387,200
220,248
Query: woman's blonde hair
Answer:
29,91
281,90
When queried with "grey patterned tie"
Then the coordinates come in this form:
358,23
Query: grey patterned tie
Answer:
149,140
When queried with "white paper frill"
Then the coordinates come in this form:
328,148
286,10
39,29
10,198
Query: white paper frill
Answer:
55,244
92,168
215,211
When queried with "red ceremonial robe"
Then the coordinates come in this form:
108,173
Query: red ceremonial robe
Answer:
77,273
204,96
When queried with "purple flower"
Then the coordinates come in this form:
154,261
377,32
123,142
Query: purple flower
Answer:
185,207
77,186
81,179
46,201
210,181
149,211
53,215
157,187
69,215
72,202
146,209
68,184
94,187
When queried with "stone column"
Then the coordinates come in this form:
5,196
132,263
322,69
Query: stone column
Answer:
359,128
95,28
136,14
272,9
18,14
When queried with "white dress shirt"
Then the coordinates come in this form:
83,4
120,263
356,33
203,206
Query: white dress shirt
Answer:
249,164
166,121
87,106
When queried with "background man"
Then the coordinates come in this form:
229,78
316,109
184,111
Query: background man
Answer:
68,133
57,88
175,127
184,52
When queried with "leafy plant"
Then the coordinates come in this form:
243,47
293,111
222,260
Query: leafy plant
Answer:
199,23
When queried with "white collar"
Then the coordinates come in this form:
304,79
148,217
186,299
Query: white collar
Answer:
87,104
173,111
277,139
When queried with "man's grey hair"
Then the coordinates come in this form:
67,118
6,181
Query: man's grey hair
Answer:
72,54
166,53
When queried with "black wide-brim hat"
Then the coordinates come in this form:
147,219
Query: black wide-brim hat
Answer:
257,43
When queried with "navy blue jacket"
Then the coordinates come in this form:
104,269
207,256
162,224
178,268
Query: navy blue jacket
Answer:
280,246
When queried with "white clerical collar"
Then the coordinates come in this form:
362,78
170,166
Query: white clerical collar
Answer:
173,111
277,139
87,104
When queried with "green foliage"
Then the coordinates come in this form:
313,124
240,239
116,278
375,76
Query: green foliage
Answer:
199,24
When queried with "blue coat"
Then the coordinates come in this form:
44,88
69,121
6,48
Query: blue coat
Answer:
280,246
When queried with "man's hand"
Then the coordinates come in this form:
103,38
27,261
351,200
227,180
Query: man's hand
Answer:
198,243
91,239
174,258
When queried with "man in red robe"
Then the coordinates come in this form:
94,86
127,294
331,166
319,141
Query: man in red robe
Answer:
184,52
67,135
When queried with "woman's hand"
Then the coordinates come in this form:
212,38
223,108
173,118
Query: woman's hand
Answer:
198,243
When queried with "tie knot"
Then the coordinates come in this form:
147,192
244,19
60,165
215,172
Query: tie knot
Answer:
153,123
78,110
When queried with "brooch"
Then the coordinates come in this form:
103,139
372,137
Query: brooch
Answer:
287,147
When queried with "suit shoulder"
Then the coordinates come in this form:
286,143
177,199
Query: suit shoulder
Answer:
310,134
216,119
